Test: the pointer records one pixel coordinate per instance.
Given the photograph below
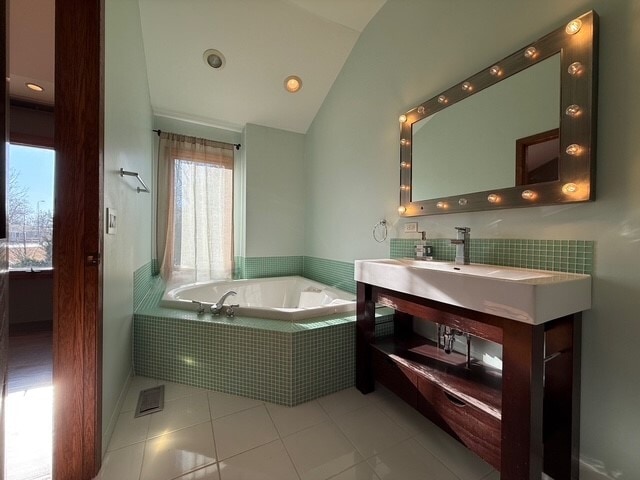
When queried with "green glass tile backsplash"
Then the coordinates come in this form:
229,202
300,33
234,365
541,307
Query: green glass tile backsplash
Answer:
572,256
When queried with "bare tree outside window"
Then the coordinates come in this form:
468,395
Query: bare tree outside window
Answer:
30,223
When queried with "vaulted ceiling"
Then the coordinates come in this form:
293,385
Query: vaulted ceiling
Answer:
263,42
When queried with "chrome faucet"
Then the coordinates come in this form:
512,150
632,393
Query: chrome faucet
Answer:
216,308
449,338
462,245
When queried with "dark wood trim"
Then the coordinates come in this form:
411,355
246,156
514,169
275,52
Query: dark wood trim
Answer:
4,257
24,274
522,145
365,333
479,324
522,397
29,105
562,398
4,115
77,331
18,138
17,329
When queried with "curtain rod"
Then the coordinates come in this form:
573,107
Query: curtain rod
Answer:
237,145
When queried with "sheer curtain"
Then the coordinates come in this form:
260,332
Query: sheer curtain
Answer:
194,224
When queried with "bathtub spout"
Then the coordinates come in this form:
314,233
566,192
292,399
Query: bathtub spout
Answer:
219,305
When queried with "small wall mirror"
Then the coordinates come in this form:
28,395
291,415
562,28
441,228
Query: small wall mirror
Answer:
519,133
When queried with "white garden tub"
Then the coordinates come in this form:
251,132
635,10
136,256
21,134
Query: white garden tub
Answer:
278,298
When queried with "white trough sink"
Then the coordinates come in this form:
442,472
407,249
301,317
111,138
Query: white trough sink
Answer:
525,295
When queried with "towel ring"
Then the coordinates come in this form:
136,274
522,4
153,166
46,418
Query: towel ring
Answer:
380,231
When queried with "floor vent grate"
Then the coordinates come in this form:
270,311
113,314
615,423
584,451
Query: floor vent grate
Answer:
150,400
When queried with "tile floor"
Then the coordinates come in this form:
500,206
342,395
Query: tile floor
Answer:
207,435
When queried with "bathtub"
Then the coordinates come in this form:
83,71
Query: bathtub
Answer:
279,298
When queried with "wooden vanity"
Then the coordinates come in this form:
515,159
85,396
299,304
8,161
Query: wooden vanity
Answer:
523,420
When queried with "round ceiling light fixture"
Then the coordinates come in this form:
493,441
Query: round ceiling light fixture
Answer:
292,84
214,58
34,86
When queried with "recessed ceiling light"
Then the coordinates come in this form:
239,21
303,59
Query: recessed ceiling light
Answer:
214,58
292,83
34,86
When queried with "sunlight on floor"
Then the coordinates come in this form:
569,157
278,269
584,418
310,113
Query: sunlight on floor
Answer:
29,434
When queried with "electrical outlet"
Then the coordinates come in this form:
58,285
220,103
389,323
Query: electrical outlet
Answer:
411,227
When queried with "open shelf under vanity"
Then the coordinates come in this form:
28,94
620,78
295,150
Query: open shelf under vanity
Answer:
522,419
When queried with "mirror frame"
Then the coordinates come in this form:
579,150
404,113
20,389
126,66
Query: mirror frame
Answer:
577,160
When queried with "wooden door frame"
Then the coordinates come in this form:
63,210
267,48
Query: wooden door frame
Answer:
77,284
4,273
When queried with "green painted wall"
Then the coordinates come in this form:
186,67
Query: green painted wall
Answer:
275,192
412,50
127,144
269,187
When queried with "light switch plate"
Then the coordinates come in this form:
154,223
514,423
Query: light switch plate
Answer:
411,227
112,221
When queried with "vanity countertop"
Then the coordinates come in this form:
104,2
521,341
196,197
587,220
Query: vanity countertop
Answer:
524,295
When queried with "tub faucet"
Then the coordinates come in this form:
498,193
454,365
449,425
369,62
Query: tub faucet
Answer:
462,245
201,306
216,308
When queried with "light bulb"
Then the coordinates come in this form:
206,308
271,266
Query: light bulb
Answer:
292,84
441,205
528,194
402,209
573,26
421,110
34,86
575,69
568,188
531,52
404,142
402,118
405,188
467,87
496,71
462,202
573,110
405,164
573,149
493,198
443,100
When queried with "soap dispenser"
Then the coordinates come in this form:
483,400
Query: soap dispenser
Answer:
424,251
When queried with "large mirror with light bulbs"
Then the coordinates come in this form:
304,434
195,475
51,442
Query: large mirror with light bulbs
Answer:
519,133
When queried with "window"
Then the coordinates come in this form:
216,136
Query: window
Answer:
194,221
30,206
203,217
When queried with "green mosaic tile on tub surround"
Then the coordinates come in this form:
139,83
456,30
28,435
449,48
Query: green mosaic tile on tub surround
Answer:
260,267
143,279
272,360
285,367
330,272
571,256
